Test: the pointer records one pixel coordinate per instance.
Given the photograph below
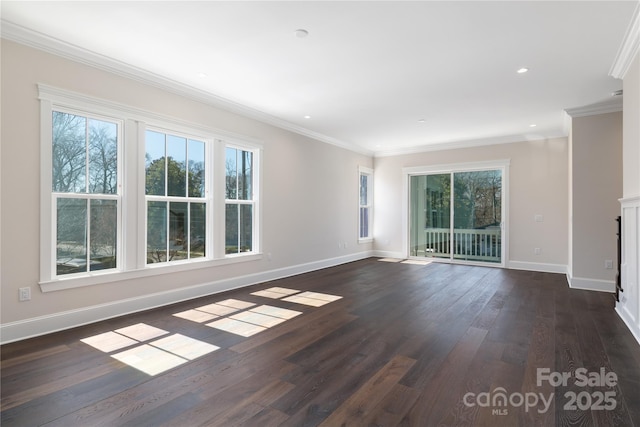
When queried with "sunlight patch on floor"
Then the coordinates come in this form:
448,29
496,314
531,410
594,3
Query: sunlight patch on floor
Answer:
275,292
218,310
254,320
391,259
152,351
149,360
109,341
314,299
184,346
416,262
152,357
141,332
236,327
196,316
282,313
258,319
234,303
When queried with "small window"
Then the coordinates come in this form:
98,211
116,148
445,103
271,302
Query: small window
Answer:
175,197
85,192
240,201
365,204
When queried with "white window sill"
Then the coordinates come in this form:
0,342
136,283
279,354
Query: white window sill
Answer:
103,277
367,240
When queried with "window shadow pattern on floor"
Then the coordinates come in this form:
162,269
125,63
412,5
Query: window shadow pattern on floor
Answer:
153,350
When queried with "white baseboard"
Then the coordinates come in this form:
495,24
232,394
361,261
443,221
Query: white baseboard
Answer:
28,328
591,284
388,254
537,266
627,318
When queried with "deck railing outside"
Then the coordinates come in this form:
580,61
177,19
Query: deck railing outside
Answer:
470,244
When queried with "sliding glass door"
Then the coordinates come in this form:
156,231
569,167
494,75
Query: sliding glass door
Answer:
457,215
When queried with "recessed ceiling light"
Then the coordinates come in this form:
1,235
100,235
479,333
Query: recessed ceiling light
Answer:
421,121
307,117
202,75
532,125
522,70
301,33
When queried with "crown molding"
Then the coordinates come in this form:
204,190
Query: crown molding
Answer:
629,48
471,143
34,39
613,105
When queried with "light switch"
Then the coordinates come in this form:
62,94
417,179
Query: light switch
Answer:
539,218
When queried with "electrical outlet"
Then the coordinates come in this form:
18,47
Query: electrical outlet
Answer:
25,294
537,251
608,264
538,218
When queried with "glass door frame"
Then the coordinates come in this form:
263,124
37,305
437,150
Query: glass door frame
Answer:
408,172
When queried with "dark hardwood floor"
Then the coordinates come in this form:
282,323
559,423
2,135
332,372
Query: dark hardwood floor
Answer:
406,345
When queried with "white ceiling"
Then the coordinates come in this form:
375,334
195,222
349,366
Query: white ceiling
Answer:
368,71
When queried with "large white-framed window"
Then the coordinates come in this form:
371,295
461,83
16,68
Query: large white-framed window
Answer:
365,204
85,193
176,202
128,193
241,199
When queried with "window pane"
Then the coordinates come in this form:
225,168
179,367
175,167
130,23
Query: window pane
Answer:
103,157
71,236
178,237
198,233
69,153
155,163
477,199
176,166
231,173
477,215
430,215
196,168
246,228
245,174
231,229
156,232
363,189
102,242
364,223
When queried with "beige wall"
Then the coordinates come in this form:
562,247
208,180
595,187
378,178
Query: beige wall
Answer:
310,191
538,185
596,177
